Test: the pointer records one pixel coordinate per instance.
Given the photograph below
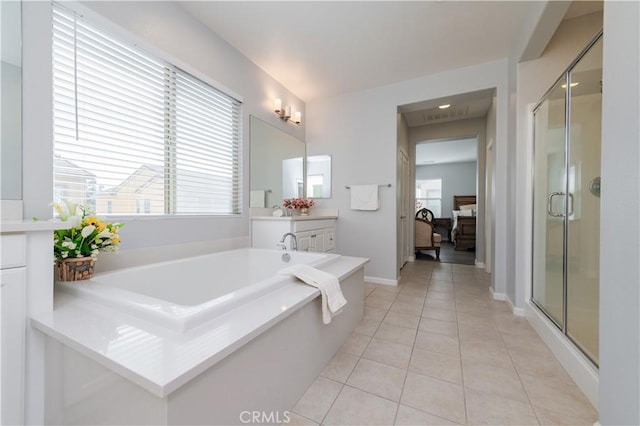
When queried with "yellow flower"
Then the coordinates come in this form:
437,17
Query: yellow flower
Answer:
92,220
115,239
101,226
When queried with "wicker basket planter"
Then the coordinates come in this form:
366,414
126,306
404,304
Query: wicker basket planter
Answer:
75,269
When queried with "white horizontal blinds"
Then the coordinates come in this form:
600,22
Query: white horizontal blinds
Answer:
127,140
207,140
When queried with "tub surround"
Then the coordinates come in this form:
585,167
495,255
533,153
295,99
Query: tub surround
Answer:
164,362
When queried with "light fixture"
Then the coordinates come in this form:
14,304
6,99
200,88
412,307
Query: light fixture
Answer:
564,86
285,112
445,106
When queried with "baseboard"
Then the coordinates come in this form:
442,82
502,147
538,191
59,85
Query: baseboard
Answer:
384,281
480,264
577,365
412,259
519,312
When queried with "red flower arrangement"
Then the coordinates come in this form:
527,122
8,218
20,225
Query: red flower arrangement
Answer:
297,203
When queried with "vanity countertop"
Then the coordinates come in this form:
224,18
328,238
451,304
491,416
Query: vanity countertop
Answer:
293,218
7,226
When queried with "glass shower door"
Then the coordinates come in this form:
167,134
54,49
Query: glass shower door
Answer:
583,242
549,204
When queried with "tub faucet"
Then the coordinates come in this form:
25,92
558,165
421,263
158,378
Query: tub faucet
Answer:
294,240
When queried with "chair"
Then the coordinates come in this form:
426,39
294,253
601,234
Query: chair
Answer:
425,238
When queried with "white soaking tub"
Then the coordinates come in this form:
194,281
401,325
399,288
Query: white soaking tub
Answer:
185,293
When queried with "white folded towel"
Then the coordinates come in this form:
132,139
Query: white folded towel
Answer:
256,198
332,298
364,197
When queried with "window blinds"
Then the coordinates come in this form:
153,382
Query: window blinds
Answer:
136,135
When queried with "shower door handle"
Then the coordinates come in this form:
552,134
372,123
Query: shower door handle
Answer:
549,202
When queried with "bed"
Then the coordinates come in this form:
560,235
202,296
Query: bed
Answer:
463,226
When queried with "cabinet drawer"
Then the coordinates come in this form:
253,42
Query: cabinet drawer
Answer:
308,225
13,251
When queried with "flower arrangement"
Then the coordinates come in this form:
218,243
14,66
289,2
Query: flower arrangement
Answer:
297,203
87,235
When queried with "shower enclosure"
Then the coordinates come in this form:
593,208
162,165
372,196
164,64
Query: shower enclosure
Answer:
566,203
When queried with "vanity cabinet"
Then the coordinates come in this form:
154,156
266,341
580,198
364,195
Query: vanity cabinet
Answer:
12,327
312,234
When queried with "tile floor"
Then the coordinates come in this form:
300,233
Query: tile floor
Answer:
438,350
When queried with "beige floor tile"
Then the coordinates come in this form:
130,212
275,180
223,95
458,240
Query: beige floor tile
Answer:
368,326
379,379
436,364
439,327
409,299
437,343
317,400
356,344
503,382
440,304
411,417
525,343
446,297
379,301
388,290
354,407
537,365
402,320
552,418
340,367
389,353
412,308
418,292
490,353
395,334
441,276
558,396
439,314
487,409
480,333
297,420
435,396
374,313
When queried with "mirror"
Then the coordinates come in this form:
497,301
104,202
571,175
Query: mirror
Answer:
319,176
277,166
11,98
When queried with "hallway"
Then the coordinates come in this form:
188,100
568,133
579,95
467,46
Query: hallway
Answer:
438,349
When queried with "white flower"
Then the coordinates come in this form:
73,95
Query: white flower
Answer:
87,230
63,214
94,253
71,207
75,221
69,244
65,254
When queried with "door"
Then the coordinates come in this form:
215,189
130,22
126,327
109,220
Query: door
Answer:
404,209
583,185
566,206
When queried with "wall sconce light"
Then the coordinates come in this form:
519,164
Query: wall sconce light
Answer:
285,112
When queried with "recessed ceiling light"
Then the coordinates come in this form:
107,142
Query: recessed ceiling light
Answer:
445,106
564,86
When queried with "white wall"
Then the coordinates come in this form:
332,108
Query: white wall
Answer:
362,139
619,266
170,32
11,137
489,185
457,179
535,77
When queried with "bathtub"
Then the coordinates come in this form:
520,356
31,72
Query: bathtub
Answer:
185,293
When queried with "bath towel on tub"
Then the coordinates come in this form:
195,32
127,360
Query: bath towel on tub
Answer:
332,298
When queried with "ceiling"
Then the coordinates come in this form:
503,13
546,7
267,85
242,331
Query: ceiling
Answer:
319,49
447,151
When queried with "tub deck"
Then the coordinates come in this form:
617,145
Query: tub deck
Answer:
162,361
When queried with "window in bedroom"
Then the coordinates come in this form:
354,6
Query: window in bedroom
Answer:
134,134
429,195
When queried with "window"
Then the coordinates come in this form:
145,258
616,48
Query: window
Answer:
136,135
429,195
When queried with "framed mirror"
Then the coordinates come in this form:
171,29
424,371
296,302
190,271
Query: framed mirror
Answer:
277,165
319,176
11,96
